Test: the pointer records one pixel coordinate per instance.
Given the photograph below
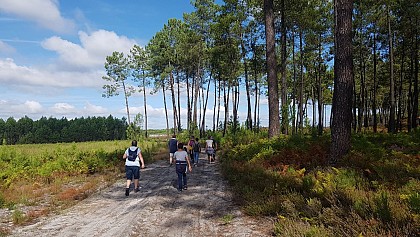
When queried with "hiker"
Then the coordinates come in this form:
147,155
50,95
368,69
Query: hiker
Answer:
133,158
181,161
173,146
196,151
190,147
210,149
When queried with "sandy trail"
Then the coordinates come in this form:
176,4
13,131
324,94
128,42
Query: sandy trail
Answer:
158,209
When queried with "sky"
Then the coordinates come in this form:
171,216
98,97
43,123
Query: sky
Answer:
52,55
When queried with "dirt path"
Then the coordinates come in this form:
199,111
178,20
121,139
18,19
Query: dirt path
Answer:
158,209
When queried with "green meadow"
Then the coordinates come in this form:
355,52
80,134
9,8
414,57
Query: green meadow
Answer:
49,177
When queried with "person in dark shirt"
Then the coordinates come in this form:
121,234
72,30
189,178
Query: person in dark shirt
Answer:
173,147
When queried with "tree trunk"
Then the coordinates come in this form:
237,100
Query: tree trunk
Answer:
197,86
320,99
126,103
179,102
313,106
301,82
273,96
400,89
284,102
166,109
145,105
203,122
343,81
375,122
294,125
175,114
215,104
235,104
226,104
391,125
248,96
354,122
416,82
189,107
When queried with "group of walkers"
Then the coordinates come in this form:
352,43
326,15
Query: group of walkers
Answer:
183,155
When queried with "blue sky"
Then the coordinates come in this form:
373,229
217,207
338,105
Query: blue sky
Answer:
52,55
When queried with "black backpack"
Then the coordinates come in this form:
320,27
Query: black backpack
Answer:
196,146
132,155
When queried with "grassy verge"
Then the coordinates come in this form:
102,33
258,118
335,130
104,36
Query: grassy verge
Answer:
375,191
40,179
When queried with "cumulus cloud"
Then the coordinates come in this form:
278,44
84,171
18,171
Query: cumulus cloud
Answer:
32,107
63,108
44,12
13,74
12,108
93,49
91,109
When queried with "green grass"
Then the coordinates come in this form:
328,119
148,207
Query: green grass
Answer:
62,173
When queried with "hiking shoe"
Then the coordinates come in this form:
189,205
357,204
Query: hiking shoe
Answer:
127,191
185,187
136,190
180,190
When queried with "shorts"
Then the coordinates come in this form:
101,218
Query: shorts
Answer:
132,172
210,151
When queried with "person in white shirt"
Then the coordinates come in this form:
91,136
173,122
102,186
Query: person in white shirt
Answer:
210,149
181,161
133,158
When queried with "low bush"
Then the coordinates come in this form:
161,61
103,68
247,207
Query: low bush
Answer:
374,191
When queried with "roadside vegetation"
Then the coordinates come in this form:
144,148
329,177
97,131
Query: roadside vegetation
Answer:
37,179
373,191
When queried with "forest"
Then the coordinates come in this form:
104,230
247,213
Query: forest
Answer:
51,130
219,52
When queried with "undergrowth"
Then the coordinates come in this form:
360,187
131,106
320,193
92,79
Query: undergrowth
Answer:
374,191
38,179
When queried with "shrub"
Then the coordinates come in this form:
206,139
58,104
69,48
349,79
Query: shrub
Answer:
382,208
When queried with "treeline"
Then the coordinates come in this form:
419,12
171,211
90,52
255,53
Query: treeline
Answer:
53,130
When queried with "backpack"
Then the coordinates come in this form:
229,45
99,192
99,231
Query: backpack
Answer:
132,155
190,144
196,146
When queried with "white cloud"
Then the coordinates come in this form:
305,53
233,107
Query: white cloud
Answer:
17,110
93,49
91,109
6,48
63,108
45,13
32,106
13,74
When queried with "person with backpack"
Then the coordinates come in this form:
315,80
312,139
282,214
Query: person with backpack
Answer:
181,161
196,151
173,147
190,147
133,158
210,149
